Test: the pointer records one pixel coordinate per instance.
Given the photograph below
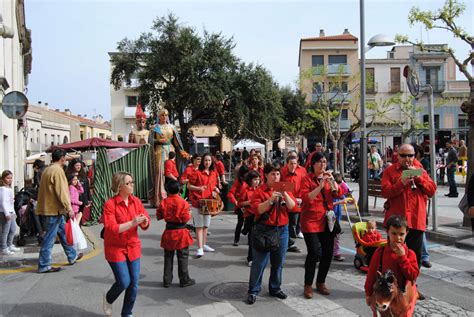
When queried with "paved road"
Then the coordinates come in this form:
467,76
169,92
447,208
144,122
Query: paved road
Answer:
221,284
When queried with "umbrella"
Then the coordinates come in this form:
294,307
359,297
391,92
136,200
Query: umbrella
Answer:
368,141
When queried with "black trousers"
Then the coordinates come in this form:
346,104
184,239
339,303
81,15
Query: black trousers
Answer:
239,225
414,241
183,273
320,246
293,227
249,242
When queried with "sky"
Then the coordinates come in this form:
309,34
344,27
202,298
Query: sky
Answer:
71,39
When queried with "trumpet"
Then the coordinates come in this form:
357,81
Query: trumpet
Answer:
413,185
331,181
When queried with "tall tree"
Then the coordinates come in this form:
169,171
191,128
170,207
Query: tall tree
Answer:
295,122
177,68
446,19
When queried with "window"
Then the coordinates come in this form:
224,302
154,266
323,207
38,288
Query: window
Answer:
391,55
431,77
338,87
45,138
344,114
394,79
52,139
32,135
370,81
38,136
337,59
462,120
82,135
132,101
436,119
318,88
317,60
59,139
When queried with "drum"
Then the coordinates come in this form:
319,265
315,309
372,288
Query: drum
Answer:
211,206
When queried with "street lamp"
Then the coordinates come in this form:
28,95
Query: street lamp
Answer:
377,40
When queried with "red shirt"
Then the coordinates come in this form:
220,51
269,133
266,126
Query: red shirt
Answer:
188,172
219,168
170,169
201,178
404,201
118,246
235,192
404,267
175,209
313,215
373,236
295,178
259,170
262,194
247,195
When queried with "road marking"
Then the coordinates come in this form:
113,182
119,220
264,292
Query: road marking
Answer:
319,306
90,236
214,310
454,252
451,275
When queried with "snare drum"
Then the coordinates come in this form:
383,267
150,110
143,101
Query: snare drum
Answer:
210,206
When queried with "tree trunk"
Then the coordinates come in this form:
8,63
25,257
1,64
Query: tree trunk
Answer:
341,155
468,107
334,152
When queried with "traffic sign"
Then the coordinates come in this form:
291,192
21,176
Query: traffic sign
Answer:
15,105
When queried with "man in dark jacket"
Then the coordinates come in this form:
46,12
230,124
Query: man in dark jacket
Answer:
451,162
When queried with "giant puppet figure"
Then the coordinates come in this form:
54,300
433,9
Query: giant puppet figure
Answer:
140,134
165,138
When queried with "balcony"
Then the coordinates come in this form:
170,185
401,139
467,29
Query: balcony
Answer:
456,88
134,83
334,97
438,85
339,70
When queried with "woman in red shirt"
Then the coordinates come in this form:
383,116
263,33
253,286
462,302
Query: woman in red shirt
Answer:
256,164
271,208
234,195
317,192
123,213
202,185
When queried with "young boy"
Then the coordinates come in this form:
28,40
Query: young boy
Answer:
395,256
175,211
372,235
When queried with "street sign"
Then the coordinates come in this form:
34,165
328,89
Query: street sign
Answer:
413,82
15,105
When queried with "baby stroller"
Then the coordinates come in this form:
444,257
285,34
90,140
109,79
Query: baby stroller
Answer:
361,260
27,220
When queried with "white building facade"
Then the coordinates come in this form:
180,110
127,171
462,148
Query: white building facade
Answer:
15,55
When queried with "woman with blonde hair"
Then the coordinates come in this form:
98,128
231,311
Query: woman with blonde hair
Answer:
7,215
123,213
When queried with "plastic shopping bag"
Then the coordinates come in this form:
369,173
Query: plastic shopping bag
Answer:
68,229
80,242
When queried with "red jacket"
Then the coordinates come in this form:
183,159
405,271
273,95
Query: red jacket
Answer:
235,192
188,172
220,169
247,195
295,178
313,215
262,194
404,201
170,169
201,178
118,246
373,236
404,267
175,209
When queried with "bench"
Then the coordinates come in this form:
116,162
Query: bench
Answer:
374,189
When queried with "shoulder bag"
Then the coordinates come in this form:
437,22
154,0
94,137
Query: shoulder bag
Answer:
266,238
330,217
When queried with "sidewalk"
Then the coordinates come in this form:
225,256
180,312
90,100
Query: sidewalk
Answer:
449,218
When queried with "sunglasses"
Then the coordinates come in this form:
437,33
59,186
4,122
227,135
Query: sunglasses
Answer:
406,155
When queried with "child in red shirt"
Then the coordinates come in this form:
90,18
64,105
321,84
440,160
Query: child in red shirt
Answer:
372,235
175,211
395,256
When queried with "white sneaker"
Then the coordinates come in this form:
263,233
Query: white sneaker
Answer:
199,253
208,248
106,306
249,263
6,252
300,235
14,249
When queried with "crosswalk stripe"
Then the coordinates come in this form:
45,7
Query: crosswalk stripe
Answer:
450,275
315,307
454,252
214,310
428,307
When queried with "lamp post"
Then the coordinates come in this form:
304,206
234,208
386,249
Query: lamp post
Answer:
377,40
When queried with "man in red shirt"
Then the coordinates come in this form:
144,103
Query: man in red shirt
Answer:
220,169
293,173
407,196
318,148
171,172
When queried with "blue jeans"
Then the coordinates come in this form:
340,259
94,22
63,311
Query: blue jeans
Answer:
425,256
260,260
126,278
54,225
451,172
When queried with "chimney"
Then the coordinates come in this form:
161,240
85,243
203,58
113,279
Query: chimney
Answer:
46,104
79,115
321,33
67,111
346,31
85,116
39,103
57,110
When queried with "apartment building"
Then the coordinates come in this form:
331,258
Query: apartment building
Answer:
123,102
15,55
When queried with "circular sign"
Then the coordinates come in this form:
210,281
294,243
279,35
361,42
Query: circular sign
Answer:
15,105
413,81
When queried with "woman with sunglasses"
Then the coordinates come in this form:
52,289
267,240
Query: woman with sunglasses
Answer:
123,214
317,192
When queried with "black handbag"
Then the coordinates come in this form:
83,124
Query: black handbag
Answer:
266,238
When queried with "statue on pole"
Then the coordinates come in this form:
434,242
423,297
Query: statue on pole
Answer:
140,134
